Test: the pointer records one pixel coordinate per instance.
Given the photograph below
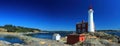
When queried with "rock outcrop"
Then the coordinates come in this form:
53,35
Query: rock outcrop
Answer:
99,39
3,30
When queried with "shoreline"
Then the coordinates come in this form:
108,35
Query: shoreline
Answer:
31,41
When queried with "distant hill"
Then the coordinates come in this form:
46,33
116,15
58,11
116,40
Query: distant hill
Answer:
59,31
108,30
12,28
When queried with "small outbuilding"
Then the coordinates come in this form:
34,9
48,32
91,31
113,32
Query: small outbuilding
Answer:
74,38
56,36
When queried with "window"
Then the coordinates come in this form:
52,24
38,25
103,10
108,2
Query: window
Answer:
83,30
79,26
78,30
83,25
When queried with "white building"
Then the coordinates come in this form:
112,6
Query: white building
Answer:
56,37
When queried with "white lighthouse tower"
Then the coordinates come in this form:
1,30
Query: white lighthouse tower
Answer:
91,27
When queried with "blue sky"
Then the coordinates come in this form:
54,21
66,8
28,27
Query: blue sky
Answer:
59,14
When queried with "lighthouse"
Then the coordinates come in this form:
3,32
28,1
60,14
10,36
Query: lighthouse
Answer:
91,27
82,28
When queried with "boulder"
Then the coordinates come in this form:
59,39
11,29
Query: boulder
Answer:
92,42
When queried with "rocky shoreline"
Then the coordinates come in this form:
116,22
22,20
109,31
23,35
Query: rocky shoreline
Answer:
99,39
92,39
30,41
5,43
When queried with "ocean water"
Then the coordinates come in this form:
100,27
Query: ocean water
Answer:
50,35
114,33
11,39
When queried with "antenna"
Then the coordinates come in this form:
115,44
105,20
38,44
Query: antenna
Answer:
90,5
